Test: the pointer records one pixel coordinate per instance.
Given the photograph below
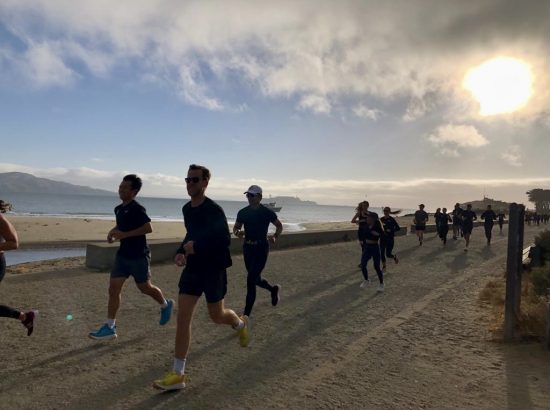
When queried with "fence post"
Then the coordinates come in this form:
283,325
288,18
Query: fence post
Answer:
547,340
513,266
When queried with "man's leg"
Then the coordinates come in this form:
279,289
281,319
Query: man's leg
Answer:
115,290
223,316
7,311
186,309
147,288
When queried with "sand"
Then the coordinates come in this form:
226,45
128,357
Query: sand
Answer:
329,344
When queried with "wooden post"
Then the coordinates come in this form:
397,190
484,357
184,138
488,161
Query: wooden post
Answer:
547,341
513,265
519,271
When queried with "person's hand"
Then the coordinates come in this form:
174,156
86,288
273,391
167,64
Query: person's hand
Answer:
272,239
116,234
239,233
180,259
189,248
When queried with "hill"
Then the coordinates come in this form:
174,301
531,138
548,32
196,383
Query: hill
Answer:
481,205
19,182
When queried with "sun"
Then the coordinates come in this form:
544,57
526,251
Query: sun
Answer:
501,85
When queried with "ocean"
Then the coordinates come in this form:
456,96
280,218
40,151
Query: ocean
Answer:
292,215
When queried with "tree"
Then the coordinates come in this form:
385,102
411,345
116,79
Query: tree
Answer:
541,199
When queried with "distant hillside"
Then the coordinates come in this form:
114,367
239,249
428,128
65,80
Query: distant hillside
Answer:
482,204
19,182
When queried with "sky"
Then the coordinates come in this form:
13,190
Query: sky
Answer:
334,102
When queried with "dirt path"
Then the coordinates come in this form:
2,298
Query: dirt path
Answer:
421,344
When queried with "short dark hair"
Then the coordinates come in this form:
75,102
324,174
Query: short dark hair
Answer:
205,171
135,181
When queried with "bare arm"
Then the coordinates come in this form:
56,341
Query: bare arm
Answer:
237,229
8,232
355,218
278,230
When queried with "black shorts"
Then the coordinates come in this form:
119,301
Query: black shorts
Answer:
418,227
467,228
212,283
139,268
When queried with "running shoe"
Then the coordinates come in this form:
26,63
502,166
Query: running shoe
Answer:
166,313
244,333
172,381
384,267
30,318
104,333
364,284
396,259
275,295
380,288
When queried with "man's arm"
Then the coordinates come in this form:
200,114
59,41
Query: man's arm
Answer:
8,232
237,229
144,229
278,230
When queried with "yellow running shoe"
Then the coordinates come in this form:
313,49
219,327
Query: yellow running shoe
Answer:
244,333
172,381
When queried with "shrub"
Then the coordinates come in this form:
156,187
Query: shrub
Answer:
543,240
540,278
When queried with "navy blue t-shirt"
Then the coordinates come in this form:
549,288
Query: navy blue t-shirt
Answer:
256,222
129,217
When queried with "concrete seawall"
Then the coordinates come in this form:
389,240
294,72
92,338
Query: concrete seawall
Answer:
101,256
432,228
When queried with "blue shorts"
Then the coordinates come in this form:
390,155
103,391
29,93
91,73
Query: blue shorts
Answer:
139,268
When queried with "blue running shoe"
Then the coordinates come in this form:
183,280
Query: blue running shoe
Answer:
104,333
166,313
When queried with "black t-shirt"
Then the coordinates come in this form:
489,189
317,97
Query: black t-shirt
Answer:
390,226
501,217
256,222
374,232
420,217
207,227
457,215
468,216
442,219
489,216
128,218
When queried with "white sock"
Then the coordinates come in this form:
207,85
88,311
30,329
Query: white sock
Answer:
164,304
111,323
179,366
239,326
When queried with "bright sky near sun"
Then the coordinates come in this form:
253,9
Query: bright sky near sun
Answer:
400,102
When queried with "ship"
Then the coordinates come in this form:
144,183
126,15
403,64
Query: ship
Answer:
273,206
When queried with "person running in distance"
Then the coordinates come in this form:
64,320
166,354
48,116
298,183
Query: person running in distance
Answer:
9,241
488,216
442,221
387,241
457,221
468,218
256,219
360,218
436,217
501,217
204,256
420,219
371,249
133,257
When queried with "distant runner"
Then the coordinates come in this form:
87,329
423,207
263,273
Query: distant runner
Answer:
387,241
371,249
457,221
468,218
132,259
8,242
442,221
420,219
256,219
488,216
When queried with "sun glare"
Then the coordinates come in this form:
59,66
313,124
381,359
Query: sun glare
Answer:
501,85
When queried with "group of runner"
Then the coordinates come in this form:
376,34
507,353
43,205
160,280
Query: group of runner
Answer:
203,255
376,235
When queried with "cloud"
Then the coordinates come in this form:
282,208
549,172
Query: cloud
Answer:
366,112
317,52
450,137
512,156
315,103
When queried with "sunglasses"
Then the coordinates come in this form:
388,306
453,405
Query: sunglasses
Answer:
192,179
249,195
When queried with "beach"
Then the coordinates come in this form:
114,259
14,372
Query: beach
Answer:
424,343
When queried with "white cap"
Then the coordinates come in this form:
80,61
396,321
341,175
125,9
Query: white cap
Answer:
254,190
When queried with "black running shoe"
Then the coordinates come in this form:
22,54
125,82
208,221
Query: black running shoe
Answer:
275,295
29,321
